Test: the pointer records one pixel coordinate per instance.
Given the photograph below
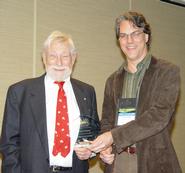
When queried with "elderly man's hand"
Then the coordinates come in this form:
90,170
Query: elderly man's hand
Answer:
102,142
83,153
106,155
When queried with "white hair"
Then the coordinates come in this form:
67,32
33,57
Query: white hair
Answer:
61,37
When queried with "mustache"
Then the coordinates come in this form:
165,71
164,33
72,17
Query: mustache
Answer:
59,67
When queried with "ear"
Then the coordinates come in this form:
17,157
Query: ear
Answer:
74,57
146,38
44,59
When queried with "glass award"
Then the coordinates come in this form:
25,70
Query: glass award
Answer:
89,128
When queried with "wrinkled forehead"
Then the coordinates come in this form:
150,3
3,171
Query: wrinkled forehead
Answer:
58,47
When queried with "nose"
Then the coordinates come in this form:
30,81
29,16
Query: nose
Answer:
59,60
129,38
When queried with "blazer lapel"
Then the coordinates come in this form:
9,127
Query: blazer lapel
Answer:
81,98
146,83
38,106
118,84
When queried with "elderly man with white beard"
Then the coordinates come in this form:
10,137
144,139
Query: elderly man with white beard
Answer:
43,116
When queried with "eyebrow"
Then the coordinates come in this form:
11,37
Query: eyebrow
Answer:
52,54
131,32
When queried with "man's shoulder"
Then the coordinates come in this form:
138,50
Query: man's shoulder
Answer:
28,82
116,73
162,64
80,83
19,89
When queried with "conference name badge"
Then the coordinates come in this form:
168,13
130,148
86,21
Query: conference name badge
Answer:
126,110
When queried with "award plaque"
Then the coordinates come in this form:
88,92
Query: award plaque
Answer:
89,128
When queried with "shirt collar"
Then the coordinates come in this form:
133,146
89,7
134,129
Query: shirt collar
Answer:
50,81
143,64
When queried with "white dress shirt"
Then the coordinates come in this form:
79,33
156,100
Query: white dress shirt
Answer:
51,91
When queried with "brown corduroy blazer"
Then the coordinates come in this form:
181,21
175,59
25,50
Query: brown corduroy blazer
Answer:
150,131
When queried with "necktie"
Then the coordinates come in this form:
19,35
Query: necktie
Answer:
61,138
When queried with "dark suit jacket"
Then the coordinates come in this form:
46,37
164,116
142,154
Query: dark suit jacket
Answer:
24,142
151,129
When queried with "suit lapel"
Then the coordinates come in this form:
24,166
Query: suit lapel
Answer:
38,106
81,98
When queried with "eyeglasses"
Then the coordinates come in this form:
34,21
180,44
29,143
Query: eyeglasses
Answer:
134,35
54,57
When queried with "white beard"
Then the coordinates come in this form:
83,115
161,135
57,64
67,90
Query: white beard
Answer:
59,73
